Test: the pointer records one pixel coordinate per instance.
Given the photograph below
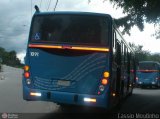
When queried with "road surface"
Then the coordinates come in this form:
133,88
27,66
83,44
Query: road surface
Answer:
143,100
11,101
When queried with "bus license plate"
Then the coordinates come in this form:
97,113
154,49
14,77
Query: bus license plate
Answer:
63,83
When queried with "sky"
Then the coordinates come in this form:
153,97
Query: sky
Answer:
15,19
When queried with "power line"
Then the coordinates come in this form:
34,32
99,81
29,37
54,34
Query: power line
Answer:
49,5
31,8
55,5
40,4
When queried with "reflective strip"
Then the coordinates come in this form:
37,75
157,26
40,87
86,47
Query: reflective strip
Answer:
148,70
44,46
89,99
69,47
35,94
91,49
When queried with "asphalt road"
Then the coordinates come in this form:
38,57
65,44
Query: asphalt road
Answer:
11,101
142,101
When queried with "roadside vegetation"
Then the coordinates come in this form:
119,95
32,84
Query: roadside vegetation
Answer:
144,55
9,58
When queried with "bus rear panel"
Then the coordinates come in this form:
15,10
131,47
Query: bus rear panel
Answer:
148,74
67,59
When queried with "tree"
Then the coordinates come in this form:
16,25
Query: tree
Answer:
138,12
140,54
155,57
144,55
9,58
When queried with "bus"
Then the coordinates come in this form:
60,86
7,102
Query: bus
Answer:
77,58
148,74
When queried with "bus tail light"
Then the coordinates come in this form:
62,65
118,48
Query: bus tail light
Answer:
104,81
26,68
106,74
26,74
137,78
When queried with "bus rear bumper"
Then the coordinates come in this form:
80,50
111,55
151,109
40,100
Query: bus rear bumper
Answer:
146,84
65,98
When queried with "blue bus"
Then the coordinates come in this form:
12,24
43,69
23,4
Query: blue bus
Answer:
77,58
148,74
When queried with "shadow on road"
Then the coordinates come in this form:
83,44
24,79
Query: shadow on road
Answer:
81,113
142,101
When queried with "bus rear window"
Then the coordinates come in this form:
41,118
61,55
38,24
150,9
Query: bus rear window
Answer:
70,29
148,66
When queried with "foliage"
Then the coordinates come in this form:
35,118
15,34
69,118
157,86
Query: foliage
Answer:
144,55
137,12
155,57
9,58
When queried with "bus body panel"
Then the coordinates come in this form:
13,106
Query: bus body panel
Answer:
148,79
83,70
148,74
67,97
67,76
76,74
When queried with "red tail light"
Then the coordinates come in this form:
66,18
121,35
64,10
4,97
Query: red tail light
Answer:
26,74
148,70
136,78
104,81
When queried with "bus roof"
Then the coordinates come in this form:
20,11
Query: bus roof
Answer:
149,62
73,13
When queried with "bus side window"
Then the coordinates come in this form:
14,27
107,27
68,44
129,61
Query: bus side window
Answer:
124,55
118,52
122,51
129,59
114,39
